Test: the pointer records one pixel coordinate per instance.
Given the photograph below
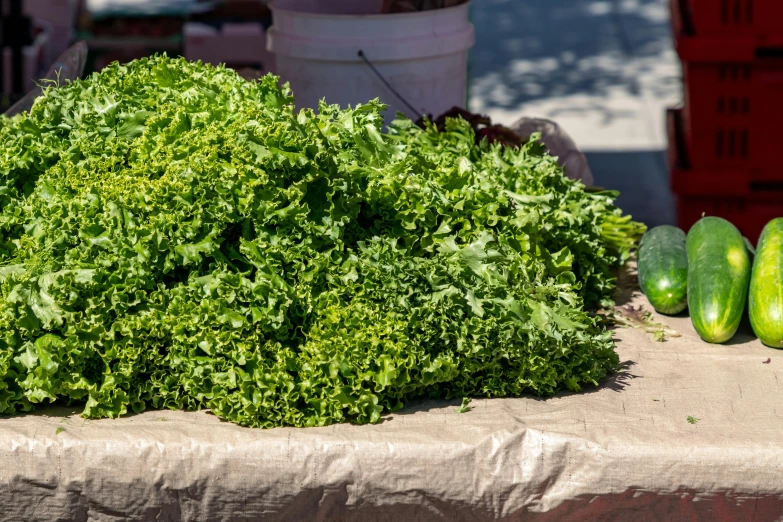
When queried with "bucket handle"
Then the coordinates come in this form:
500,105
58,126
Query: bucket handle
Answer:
386,83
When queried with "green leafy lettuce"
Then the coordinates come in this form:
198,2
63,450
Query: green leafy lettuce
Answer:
173,236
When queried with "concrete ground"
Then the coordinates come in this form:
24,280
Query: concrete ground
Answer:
605,70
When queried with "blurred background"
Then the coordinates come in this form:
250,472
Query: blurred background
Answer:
672,102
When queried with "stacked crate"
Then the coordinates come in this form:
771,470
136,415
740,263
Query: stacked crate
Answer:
726,143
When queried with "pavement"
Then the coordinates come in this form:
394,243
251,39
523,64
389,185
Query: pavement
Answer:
604,70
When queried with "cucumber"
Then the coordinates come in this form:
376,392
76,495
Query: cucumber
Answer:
765,305
718,278
663,269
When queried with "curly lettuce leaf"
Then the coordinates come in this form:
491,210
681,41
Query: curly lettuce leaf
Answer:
173,236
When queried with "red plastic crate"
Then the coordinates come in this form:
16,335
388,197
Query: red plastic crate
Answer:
730,17
733,90
700,181
747,199
734,114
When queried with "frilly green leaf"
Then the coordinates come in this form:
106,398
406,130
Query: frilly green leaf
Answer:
173,236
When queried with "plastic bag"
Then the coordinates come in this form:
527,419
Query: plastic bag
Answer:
559,144
69,66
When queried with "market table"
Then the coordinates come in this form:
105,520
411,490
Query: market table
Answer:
624,451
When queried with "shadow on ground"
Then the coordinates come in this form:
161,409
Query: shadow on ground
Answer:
642,179
605,69
540,49
617,381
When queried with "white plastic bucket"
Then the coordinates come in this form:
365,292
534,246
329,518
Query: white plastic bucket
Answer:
423,56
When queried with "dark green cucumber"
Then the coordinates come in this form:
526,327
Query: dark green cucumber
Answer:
663,269
718,277
765,304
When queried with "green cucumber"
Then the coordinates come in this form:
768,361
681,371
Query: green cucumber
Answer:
663,269
765,305
718,277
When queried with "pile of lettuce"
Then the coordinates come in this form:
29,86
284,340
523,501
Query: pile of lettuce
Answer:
173,236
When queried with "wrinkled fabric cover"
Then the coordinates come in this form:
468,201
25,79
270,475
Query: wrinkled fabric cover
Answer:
622,452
